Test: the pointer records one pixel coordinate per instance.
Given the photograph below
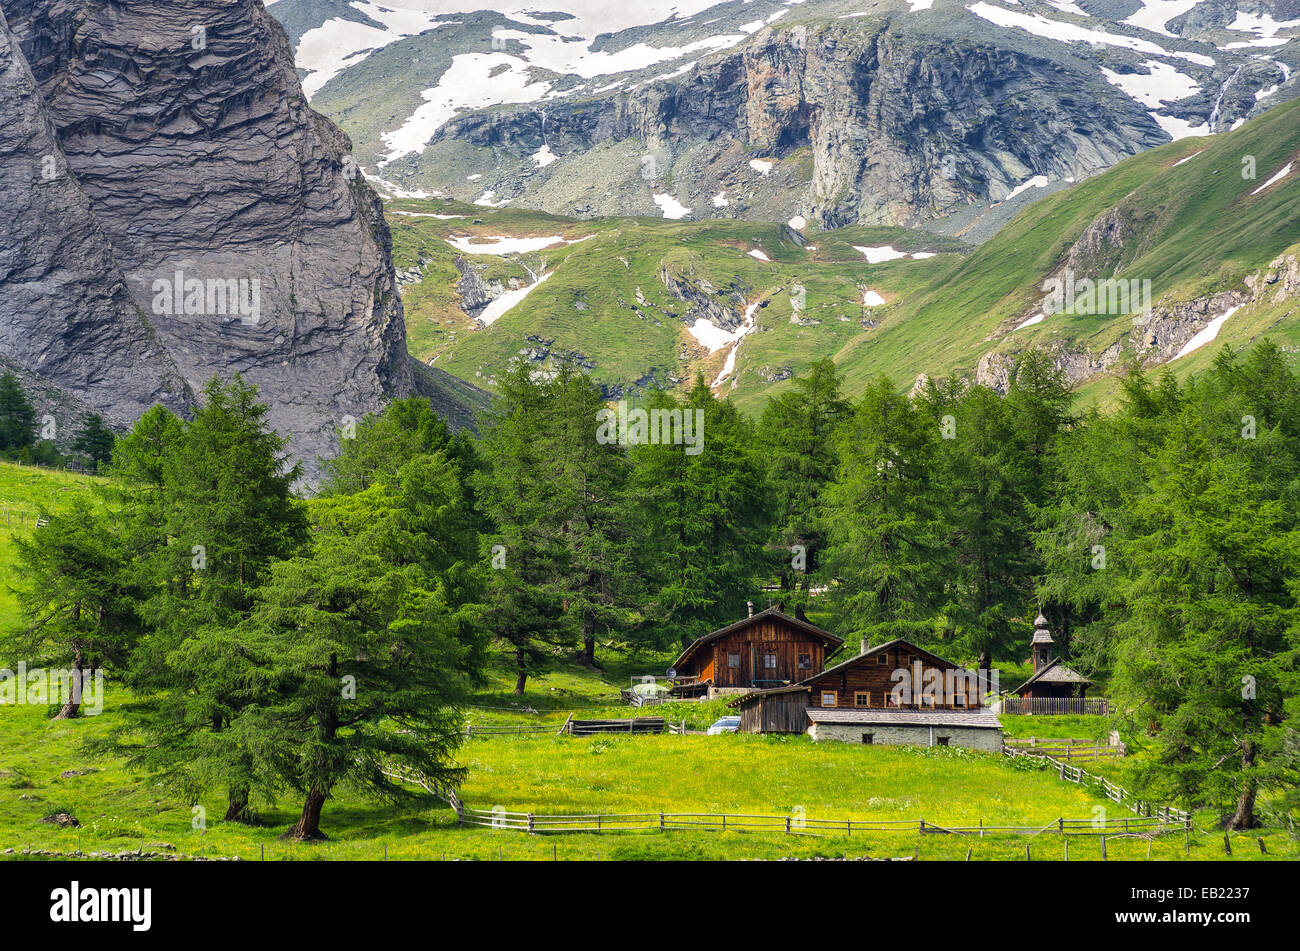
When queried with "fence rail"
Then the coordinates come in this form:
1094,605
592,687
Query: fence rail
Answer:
625,725
1160,821
16,518
538,823
1069,750
1057,706
508,729
1115,793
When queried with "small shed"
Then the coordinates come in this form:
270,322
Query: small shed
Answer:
779,710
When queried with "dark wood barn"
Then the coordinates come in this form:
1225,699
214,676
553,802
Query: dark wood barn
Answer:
768,649
891,694
894,675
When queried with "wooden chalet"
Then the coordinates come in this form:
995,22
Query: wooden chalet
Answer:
1051,679
767,649
896,692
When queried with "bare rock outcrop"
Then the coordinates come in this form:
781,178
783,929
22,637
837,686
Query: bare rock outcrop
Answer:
204,221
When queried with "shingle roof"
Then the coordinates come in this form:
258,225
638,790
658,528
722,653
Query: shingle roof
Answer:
775,612
1054,673
789,688
984,718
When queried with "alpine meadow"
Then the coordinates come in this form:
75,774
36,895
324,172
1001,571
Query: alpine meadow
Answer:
774,432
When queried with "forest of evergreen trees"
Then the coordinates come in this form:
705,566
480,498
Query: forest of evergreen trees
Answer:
280,644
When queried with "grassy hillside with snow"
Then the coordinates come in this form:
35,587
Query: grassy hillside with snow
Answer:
1181,216
642,301
626,297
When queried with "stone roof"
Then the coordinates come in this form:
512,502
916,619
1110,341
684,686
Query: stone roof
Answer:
983,718
1054,673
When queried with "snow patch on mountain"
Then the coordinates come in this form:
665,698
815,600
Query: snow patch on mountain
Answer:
1162,83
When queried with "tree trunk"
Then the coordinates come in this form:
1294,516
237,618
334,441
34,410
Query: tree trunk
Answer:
307,828
237,805
1244,817
522,670
72,702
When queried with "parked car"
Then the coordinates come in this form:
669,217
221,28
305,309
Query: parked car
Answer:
725,725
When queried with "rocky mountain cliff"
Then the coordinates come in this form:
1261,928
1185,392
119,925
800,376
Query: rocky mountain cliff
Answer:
948,114
65,310
201,219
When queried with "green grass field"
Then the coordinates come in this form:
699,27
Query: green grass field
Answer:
43,771
46,768
24,492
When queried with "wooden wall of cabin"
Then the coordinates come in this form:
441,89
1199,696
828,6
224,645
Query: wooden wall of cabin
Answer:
754,644
874,677
780,713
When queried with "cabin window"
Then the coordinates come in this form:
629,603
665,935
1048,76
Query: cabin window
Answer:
769,662
828,698
868,738
733,661
862,698
805,661
942,740
959,699
926,701
882,660
892,699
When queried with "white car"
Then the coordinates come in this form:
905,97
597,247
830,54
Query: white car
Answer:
725,725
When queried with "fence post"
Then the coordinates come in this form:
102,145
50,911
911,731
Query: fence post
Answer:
661,822
530,823
1103,846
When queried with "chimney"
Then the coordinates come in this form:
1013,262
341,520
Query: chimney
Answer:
750,605
864,648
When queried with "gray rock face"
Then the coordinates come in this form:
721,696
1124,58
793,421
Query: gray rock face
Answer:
900,127
214,208
65,312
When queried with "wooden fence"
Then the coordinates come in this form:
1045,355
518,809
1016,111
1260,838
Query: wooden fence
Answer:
508,729
792,824
1057,706
1113,792
1068,750
16,519
625,725
1161,821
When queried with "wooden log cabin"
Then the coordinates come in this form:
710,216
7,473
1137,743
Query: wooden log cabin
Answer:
768,649
896,692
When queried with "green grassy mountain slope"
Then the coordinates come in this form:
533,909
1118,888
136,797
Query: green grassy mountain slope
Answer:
1182,217
1185,222
621,295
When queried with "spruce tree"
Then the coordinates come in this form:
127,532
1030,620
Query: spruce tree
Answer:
17,418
